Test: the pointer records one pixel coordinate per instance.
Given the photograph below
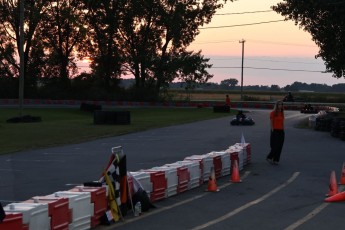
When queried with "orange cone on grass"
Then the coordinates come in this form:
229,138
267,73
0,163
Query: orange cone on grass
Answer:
212,184
333,187
337,197
235,174
342,176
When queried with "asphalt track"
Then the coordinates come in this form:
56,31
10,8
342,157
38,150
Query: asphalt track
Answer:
288,196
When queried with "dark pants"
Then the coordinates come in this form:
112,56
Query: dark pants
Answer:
2,213
276,143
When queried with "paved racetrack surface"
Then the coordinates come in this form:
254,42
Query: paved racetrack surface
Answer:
288,196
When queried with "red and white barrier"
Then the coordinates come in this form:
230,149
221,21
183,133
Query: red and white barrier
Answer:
83,207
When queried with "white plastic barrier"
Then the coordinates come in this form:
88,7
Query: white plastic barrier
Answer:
226,163
172,180
247,152
194,172
36,216
207,164
81,206
239,150
144,179
183,176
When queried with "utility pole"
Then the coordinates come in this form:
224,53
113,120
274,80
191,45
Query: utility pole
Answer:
21,55
242,41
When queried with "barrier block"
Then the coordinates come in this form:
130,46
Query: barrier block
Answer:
225,159
99,200
247,152
159,185
240,156
58,210
200,162
171,179
81,208
144,178
207,163
13,221
35,216
194,172
183,176
217,163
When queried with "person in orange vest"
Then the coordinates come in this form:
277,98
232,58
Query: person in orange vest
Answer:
277,133
227,100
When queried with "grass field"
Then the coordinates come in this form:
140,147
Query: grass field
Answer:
219,95
63,126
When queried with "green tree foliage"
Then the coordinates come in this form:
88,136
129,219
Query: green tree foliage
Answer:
9,40
103,43
147,39
275,88
62,30
231,82
325,21
155,36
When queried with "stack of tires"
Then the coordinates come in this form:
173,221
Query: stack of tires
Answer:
340,128
324,121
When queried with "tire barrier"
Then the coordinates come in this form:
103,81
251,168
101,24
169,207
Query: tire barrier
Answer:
221,109
24,119
338,128
333,122
101,117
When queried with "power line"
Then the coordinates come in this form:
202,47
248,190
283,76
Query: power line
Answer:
249,12
258,41
262,68
281,43
249,24
267,60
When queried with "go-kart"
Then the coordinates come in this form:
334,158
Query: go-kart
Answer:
242,121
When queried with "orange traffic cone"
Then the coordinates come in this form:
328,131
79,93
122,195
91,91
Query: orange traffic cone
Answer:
342,176
333,188
337,197
212,184
235,175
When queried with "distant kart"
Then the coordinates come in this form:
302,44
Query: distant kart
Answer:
242,121
309,109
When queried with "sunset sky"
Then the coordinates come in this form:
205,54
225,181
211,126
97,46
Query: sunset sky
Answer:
268,46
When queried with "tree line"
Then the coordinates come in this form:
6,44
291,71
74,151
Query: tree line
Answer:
146,39
294,87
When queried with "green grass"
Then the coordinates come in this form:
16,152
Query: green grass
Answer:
64,126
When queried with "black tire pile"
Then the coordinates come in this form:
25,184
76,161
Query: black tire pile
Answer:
331,122
338,128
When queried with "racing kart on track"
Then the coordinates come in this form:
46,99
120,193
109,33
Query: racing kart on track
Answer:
242,119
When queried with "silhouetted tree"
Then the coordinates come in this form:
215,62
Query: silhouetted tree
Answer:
104,38
231,82
63,30
34,58
155,36
325,21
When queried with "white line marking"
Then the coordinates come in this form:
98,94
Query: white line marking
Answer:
10,160
171,206
310,215
234,212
